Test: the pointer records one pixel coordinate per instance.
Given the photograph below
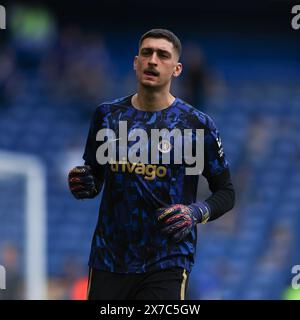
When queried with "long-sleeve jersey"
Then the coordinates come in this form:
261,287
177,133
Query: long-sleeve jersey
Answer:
127,238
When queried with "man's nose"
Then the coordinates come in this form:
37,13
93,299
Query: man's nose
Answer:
153,59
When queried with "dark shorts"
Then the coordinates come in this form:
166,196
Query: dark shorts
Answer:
167,284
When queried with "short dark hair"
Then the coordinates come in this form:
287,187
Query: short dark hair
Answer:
165,34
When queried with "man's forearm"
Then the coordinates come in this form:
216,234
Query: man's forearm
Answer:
220,201
223,195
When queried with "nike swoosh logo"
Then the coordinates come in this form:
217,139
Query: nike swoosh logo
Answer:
112,140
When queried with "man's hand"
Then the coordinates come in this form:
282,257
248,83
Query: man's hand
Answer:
82,183
178,220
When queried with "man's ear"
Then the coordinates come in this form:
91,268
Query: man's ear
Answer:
135,62
178,69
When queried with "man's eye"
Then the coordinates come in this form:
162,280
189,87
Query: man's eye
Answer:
146,53
164,55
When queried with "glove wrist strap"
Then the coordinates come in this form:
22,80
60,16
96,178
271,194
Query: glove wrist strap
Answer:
201,211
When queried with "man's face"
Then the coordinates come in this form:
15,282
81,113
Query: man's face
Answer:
156,63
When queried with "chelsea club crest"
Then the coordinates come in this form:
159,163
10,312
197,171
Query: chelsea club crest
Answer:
164,146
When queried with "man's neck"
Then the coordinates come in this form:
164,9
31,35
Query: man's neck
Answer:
152,100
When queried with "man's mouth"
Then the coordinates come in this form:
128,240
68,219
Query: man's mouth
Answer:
151,73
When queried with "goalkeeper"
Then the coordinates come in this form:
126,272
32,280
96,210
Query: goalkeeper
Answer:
145,238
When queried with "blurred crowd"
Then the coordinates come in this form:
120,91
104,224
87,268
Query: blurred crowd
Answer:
76,64
72,64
